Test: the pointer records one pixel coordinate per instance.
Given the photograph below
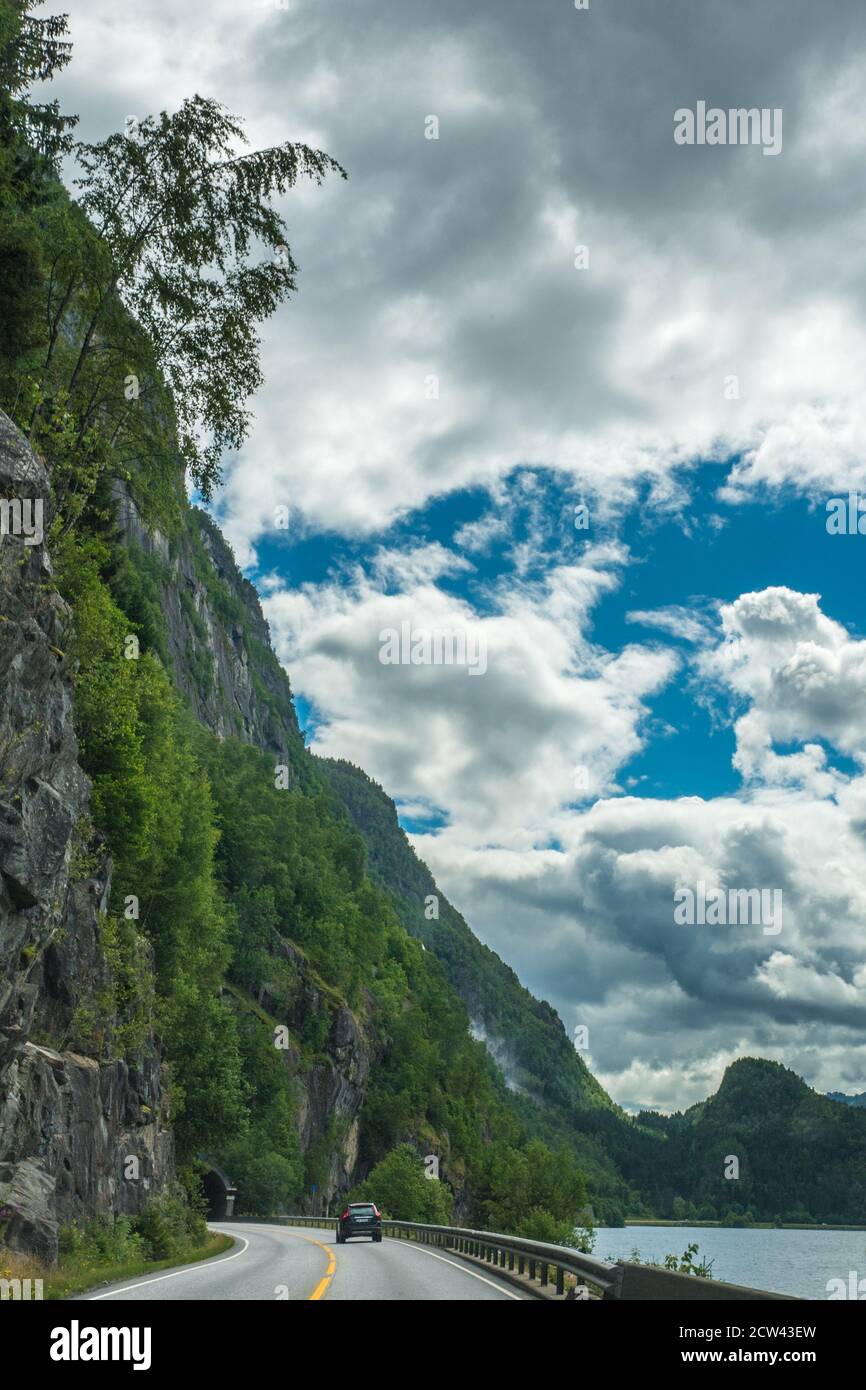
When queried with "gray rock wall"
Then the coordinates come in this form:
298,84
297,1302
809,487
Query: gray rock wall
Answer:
221,661
69,1123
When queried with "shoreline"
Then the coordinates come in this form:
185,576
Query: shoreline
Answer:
720,1225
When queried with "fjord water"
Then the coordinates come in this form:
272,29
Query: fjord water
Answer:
792,1262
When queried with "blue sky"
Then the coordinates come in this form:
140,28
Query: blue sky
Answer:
695,558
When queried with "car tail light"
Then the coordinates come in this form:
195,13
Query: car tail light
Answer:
345,1214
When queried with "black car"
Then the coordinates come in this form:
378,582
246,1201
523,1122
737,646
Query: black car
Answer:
360,1219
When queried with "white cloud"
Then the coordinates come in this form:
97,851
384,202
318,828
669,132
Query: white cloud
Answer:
804,679
675,620
501,751
454,258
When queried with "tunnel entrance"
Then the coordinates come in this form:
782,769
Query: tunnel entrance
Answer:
220,1193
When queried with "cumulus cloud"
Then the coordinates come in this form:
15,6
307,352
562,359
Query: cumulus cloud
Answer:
804,679
442,334
502,753
667,1005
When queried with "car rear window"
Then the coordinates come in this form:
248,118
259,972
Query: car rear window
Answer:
362,1211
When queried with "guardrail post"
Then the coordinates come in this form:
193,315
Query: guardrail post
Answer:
560,1280
544,1274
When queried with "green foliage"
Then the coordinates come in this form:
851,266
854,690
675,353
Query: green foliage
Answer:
268,1182
256,907
129,348
131,1003
137,582
689,1263
33,135
533,1192
178,211
170,1227
104,1240
152,801
21,294
130,343
402,1191
129,320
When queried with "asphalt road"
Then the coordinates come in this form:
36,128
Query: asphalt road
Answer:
281,1262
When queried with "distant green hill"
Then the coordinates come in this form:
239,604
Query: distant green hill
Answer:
858,1100
800,1155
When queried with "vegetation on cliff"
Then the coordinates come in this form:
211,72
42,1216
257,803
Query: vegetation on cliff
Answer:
277,940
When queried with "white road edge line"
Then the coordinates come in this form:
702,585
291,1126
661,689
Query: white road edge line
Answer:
471,1272
193,1269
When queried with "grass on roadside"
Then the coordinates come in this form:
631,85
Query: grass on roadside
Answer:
73,1277
171,1230
75,1273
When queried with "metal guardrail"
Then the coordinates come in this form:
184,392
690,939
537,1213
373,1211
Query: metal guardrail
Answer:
570,1273
551,1266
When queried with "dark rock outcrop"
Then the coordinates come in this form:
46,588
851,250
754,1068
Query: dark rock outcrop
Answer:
79,1135
331,1100
217,640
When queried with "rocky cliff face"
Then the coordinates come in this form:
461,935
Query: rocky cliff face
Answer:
70,1123
217,640
331,1100
329,1090
218,647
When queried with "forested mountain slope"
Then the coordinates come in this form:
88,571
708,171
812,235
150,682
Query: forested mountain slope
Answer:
525,1034
800,1156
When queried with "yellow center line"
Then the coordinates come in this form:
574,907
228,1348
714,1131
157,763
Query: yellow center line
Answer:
323,1283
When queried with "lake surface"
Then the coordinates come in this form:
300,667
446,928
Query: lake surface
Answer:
794,1262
